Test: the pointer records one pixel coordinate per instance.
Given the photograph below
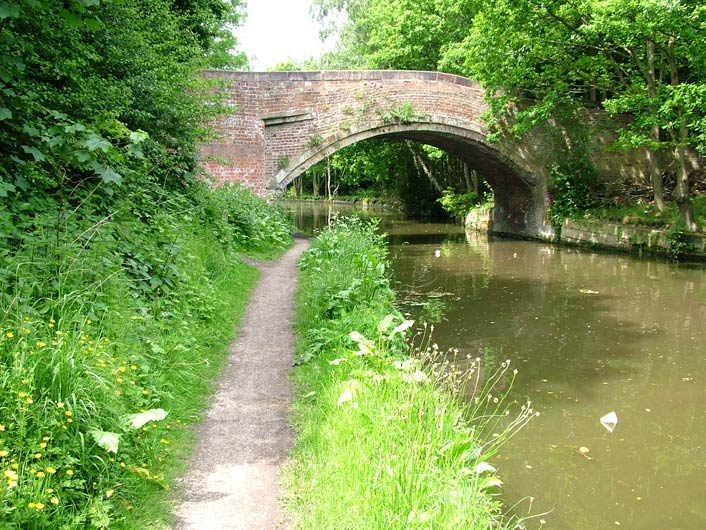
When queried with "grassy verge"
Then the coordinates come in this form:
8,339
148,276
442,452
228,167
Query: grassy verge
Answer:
112,329
386,439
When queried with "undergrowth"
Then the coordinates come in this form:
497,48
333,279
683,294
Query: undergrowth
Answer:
391,433
646,214
116,306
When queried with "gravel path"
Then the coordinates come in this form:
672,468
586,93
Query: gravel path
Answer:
233,479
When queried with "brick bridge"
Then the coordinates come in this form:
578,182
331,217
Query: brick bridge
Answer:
287,121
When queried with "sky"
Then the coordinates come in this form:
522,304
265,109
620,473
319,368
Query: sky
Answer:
277,30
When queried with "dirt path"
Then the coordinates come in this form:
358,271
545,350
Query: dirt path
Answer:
233,479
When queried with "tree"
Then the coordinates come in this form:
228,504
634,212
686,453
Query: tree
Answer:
644,58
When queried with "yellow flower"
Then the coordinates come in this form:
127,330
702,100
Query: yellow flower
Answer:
41,344
69,472
69,413
89,321
4,453
43,445
51,471
54,501
2,427
60,404
45,438
29,400
51,324
21,395
10,335
40,474
37,455
109,494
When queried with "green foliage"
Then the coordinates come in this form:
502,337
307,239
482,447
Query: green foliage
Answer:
402,113
457,205
369,413
571,191
114,312
120,275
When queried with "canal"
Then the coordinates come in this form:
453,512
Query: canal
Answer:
590,334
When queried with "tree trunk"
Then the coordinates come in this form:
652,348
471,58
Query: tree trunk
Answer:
315,183
681,138
681,190
419,164
652,159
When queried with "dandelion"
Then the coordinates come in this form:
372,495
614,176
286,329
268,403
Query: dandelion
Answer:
41,344
109,494
68,413
40,474
10,335
2,427
4,453
69,472
37,455
60,404
54,501
51,471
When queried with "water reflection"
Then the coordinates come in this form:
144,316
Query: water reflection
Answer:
590,333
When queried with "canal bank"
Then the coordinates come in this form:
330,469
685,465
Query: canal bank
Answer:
590,333
595,234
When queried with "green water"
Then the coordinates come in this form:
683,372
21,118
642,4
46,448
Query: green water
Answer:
590,334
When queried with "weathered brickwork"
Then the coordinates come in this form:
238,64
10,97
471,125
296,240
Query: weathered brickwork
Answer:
287,121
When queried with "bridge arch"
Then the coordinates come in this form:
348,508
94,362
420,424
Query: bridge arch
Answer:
519,195
284,122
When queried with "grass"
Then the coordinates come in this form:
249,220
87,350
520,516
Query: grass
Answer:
108,350
387,438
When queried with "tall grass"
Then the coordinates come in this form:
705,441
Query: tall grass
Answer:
111,331
391,434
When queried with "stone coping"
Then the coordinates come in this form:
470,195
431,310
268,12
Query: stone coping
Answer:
614,237
342,75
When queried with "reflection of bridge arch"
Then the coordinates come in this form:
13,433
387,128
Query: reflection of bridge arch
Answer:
284,122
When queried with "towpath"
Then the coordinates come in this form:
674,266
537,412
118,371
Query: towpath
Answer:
233,480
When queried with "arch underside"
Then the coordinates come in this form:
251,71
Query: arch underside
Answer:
519,194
